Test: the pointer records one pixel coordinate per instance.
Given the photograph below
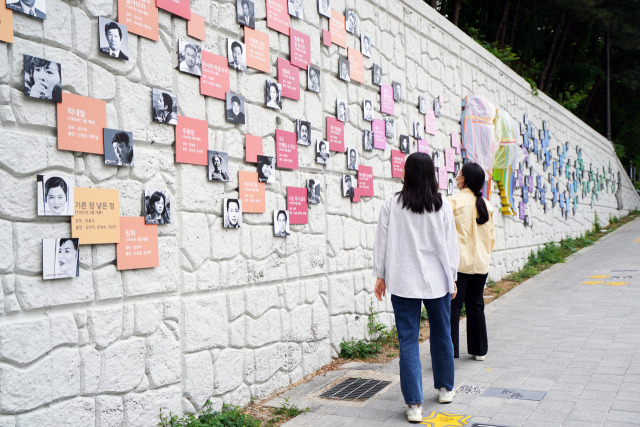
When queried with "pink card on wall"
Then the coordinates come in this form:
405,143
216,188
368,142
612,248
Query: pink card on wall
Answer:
196,27
449,159
442,178
214,81
181,8
289,78
430,122
356,195
300,48
192,141
138,247
140,17
286,150
397,163
297,205
258,52
423,146
379,137
326,38
455,141
356,62
337,29
335,134
278,16
365,180
252,148
386,99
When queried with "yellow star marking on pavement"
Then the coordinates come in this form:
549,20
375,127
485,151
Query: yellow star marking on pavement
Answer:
616,283
489,370
445,420
602,276
593,282
637,240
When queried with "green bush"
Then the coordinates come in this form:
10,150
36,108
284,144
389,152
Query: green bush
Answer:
359,349
229,416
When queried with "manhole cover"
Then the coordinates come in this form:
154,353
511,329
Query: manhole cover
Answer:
355,389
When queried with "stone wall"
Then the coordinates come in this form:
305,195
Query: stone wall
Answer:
229,314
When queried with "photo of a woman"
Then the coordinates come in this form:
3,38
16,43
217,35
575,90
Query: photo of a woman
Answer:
273,93
55,195
157,207
42,79
164,107
60,258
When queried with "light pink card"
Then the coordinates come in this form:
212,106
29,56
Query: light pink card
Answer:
442,178
300,48
379,138
430,122
365,181
289,78
386,99
449,159
286,150
397,163
297,205
423,146
335,134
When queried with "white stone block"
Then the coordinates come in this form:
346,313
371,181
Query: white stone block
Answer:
130,353
141,409
109,411
105,326
263,330
227,371
235,304
89,370
341,294
15,348
63,330
259,300
205,323
108,282
33,293
148,317
163,358
198,378
79,411
195,238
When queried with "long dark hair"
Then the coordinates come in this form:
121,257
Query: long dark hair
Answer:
474,180
420,190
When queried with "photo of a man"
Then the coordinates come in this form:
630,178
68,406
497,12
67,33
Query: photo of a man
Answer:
397,91
347,186
324,8
367,140
377,74
246,15
218,166
437,107
422,104
118,147
417,130
303,130
313,191
367,110
352,159
350,21
232,214
237,55
295,8
34,8
322,152
189,56
404,144
235,108
341,110
344,69
281,223
365,45
114,38
389,127
313,79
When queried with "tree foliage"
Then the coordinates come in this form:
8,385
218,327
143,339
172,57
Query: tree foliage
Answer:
559,47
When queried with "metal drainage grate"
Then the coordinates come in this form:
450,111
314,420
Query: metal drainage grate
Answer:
355,389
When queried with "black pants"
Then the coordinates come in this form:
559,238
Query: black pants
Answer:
470,292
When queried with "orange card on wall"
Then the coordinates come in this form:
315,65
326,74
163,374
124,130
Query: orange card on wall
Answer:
182,8
258,52
251,192
253,148
278,16
195,27
138,247
97,216
140,17
6,24
81,121
214,81
356,60
337,29
192,141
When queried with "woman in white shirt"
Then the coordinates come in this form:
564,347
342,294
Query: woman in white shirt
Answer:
415,258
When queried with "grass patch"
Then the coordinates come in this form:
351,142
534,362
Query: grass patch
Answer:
229,415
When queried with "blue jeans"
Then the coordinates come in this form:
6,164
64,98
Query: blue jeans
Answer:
407,314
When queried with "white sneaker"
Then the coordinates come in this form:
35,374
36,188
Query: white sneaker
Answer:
414,413
446,396
481,358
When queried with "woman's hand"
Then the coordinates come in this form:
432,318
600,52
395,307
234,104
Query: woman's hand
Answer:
380,289
455,290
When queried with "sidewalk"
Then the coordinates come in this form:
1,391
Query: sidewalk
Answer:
572,334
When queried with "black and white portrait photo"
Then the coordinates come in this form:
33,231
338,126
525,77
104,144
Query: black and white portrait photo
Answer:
281,223
347,185
232,213
322,152
55,195
437,107
449,186
344,69
218,166
303,131
352,159
164,106
60,258
42,79
295,9
157,207
273,94
245,13
114,38
313,192
457,166
527,221
342,113
350,21
377,74
234,108
34,8
404,144
422,104
365,45
397,91
417,130
367,140
436,158
367,110
324,8
190,58
266,169
313,79
389,127
237,55
118,147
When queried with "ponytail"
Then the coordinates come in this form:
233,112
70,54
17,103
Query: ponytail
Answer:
474,180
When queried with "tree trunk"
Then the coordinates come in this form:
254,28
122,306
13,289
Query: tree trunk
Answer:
558,54
434,4
502,28
554,42
456,12
483,15
592,95
513,24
